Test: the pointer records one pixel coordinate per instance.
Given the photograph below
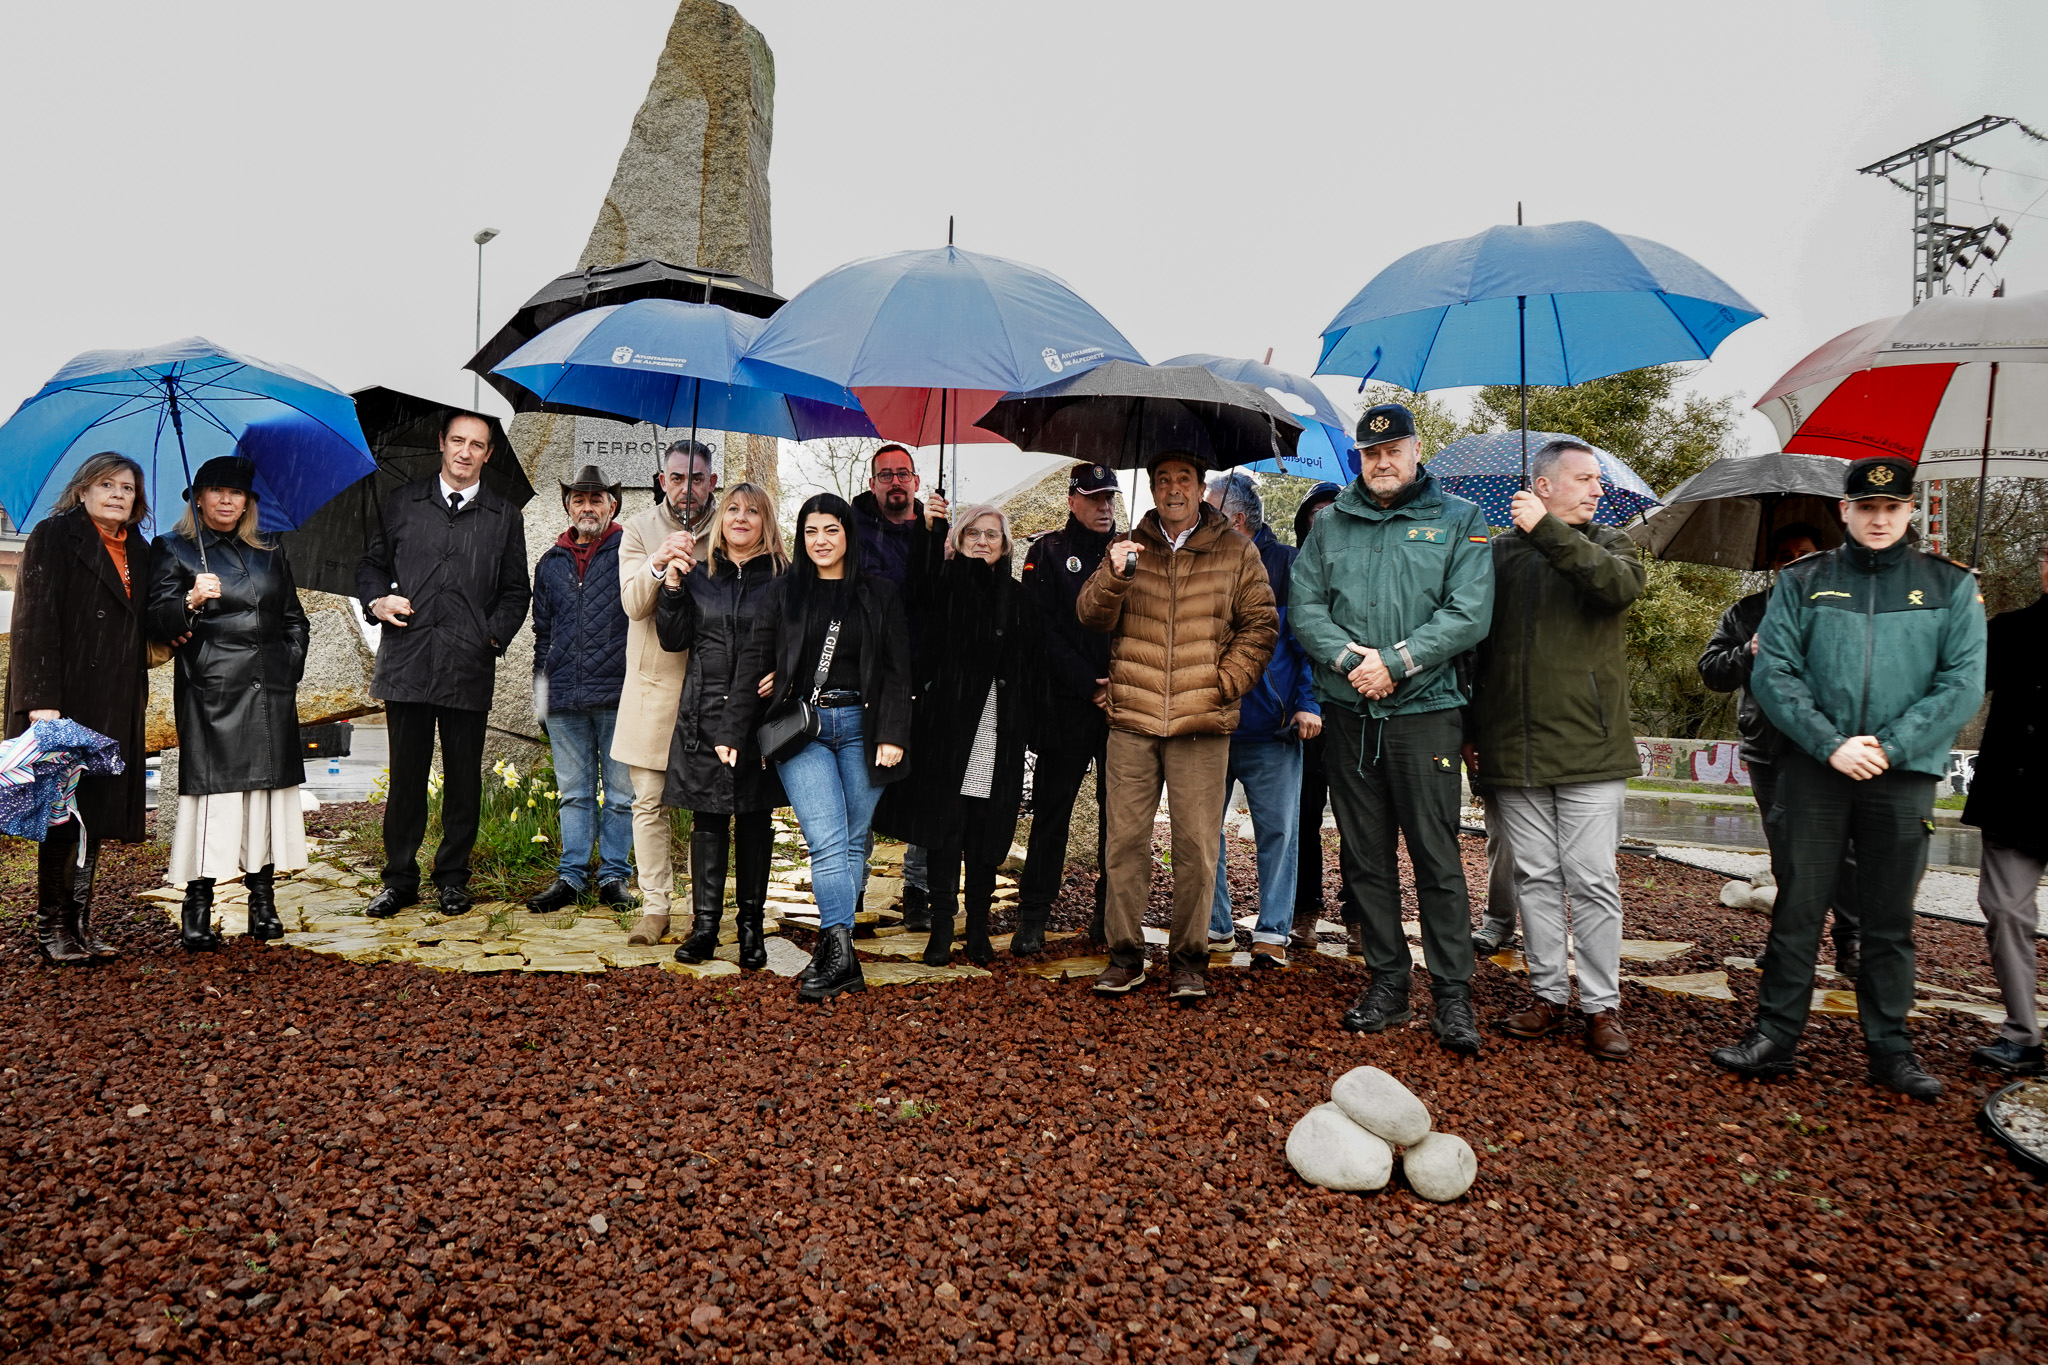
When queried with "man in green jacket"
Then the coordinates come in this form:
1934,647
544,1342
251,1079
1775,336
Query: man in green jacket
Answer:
1869,659
1551,725
1391,586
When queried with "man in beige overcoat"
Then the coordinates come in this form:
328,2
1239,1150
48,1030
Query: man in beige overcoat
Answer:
674,529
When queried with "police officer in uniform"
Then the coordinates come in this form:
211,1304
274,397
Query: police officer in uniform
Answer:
1072,731
1871,657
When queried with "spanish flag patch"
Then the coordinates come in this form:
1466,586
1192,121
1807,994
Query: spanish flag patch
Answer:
1477,540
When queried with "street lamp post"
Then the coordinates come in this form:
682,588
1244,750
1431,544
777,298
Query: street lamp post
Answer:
476,382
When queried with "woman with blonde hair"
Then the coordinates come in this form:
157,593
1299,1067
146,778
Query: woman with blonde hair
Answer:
710,612
979,674
78,653
217,580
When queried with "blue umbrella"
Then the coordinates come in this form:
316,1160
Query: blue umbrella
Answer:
172,408
669,363
1325,450
1487,469
927,341
1557,304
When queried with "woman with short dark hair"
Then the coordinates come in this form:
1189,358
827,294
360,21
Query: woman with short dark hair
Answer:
78,652
831,638
218,581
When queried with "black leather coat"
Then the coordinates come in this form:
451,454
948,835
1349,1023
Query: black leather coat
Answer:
237,685
2005,793
1725,667
712,616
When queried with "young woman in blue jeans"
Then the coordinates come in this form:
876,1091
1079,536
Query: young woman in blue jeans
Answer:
863,706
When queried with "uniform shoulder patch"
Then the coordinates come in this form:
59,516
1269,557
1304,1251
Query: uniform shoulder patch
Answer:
1477,540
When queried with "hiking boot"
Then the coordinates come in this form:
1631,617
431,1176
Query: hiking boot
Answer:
561,894
1757,1055
1538,1019
1901,1071
387,902
1604,1038
1379,1007
2010,1057
1117,979
1268,955
1186,983
834,969
1491,939
1454,1025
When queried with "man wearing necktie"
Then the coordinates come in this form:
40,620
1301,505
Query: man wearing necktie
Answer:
445,576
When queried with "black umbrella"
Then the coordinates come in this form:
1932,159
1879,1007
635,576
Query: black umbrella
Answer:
597,286
1726,514
1120,414
404,433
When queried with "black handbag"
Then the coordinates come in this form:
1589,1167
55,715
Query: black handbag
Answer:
780,737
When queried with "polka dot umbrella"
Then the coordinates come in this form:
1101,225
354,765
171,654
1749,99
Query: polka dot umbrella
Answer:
1487,469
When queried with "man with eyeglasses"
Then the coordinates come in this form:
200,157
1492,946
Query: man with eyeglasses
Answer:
891,524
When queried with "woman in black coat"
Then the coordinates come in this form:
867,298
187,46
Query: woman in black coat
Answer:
77,652
862,703
981,676
216,580
711,614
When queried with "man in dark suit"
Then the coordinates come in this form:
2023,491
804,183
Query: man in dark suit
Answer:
446,578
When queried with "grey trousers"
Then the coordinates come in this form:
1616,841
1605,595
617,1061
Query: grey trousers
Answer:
1503,907
2006,889
1564,842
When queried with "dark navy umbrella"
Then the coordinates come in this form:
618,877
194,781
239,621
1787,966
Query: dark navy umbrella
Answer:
1487,469
1325,450
927,341
1557,304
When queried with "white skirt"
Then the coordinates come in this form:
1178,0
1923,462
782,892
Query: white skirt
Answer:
234,832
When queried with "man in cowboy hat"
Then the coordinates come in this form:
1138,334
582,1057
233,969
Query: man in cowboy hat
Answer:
579,669
1870,658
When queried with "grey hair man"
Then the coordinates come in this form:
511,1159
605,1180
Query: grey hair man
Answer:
674,530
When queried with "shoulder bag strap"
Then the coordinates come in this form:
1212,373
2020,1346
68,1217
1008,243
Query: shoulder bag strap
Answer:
825,661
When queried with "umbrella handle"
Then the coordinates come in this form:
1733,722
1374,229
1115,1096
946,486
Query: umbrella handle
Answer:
1522,355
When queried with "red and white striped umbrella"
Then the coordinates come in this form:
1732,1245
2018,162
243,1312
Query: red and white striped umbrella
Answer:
1958,384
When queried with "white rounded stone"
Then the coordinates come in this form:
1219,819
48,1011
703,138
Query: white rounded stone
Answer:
1440,1167
1326,1148
1381,1105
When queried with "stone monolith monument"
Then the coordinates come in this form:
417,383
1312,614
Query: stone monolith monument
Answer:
691,188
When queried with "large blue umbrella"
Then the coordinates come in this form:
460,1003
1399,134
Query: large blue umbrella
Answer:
1325,449
1487,469
669,363
927,341
1557,304
172,408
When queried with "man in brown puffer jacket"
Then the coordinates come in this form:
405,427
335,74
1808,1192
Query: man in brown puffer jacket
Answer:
1191,631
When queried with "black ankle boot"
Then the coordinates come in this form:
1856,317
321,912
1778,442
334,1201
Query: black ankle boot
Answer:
707,891
263,922
917,909
1030,935
753,853
197,934
979,951
938,949
834,969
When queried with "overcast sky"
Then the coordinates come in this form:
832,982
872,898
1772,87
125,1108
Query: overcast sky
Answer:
301,182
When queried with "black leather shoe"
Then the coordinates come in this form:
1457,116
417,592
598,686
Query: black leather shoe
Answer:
917,909
617,896
1757,1055
1901,1071
389,902
1030,935
1379,1007
455,900
553,899
2007,1056
834,968
1849,959
1454,1025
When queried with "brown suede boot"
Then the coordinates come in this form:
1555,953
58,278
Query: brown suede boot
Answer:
648,929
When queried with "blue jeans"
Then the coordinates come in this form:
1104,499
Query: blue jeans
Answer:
1271,773
582,742
828,786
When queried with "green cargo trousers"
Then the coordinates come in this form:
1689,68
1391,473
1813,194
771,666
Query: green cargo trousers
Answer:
1400,775
1824,814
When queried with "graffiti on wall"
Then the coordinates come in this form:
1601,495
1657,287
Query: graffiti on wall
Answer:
1718,761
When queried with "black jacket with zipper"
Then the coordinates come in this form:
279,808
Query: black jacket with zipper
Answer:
1726,666
712,616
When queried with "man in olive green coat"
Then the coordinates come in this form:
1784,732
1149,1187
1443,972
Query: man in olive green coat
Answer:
1393,583
1551,725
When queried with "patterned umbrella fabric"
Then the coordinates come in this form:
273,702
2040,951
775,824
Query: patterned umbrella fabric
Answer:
1325,450
39,772
1487,469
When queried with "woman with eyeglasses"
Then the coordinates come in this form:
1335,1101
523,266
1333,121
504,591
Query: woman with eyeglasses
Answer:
980,670
828,637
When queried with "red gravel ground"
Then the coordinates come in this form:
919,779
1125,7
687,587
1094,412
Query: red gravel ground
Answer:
264,1155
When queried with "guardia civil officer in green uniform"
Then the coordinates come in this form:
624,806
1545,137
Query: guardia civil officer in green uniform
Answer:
1869,659
1394,582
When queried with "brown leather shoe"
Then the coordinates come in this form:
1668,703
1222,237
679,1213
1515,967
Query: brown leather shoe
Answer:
1301,938
1604,1038
1186,984
1538,1019
1117,979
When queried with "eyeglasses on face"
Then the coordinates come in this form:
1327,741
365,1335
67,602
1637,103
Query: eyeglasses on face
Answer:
895,475
982,533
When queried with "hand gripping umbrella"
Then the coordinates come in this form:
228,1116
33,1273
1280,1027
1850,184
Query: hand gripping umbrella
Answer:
1958,384
1556,305
926,341
1728,513
1483,468
171,409
1325,450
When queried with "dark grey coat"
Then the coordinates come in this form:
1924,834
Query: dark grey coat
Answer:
465,575
236,690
